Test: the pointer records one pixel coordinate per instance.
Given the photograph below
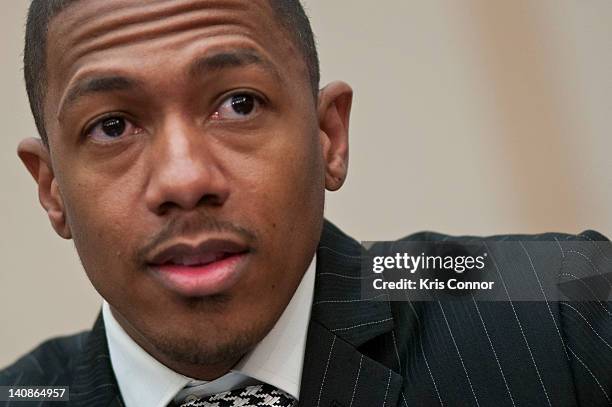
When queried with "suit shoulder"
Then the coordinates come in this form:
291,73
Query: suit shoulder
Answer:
431,236
48,360
549,258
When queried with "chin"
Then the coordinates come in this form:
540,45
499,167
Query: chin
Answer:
206,347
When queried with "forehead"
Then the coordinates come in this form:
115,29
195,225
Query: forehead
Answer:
130,34
90,24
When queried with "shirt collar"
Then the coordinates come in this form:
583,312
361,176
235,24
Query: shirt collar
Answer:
277,359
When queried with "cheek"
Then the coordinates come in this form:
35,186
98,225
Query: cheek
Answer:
282,196
288,173
103,218
290,188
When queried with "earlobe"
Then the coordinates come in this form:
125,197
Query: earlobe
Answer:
35,156
334,111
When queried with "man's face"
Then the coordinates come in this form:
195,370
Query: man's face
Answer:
189,165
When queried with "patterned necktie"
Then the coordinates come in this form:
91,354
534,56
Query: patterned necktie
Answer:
261,395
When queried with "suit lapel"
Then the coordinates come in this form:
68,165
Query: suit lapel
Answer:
336,372
94,383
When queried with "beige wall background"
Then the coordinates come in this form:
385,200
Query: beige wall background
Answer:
470,117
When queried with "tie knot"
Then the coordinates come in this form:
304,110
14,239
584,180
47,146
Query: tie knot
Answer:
251,396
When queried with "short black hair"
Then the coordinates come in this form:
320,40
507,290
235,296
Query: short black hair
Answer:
290,13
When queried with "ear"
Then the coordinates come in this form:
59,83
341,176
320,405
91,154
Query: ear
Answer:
334,112
35,156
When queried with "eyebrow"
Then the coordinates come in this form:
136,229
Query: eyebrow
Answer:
201,66
98,84
232,59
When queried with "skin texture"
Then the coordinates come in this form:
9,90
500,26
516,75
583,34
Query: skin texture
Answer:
185,170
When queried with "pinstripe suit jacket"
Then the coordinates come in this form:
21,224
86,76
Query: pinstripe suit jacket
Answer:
378,353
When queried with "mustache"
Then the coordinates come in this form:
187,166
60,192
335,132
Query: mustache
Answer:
191,225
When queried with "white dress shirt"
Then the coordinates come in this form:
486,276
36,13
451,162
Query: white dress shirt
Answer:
276,360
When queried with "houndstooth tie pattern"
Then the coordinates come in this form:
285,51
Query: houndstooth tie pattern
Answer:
261,395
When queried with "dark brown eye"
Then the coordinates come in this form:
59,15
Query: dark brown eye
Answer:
239,106
243,104
111,128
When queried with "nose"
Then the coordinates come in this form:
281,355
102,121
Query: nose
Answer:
184,172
